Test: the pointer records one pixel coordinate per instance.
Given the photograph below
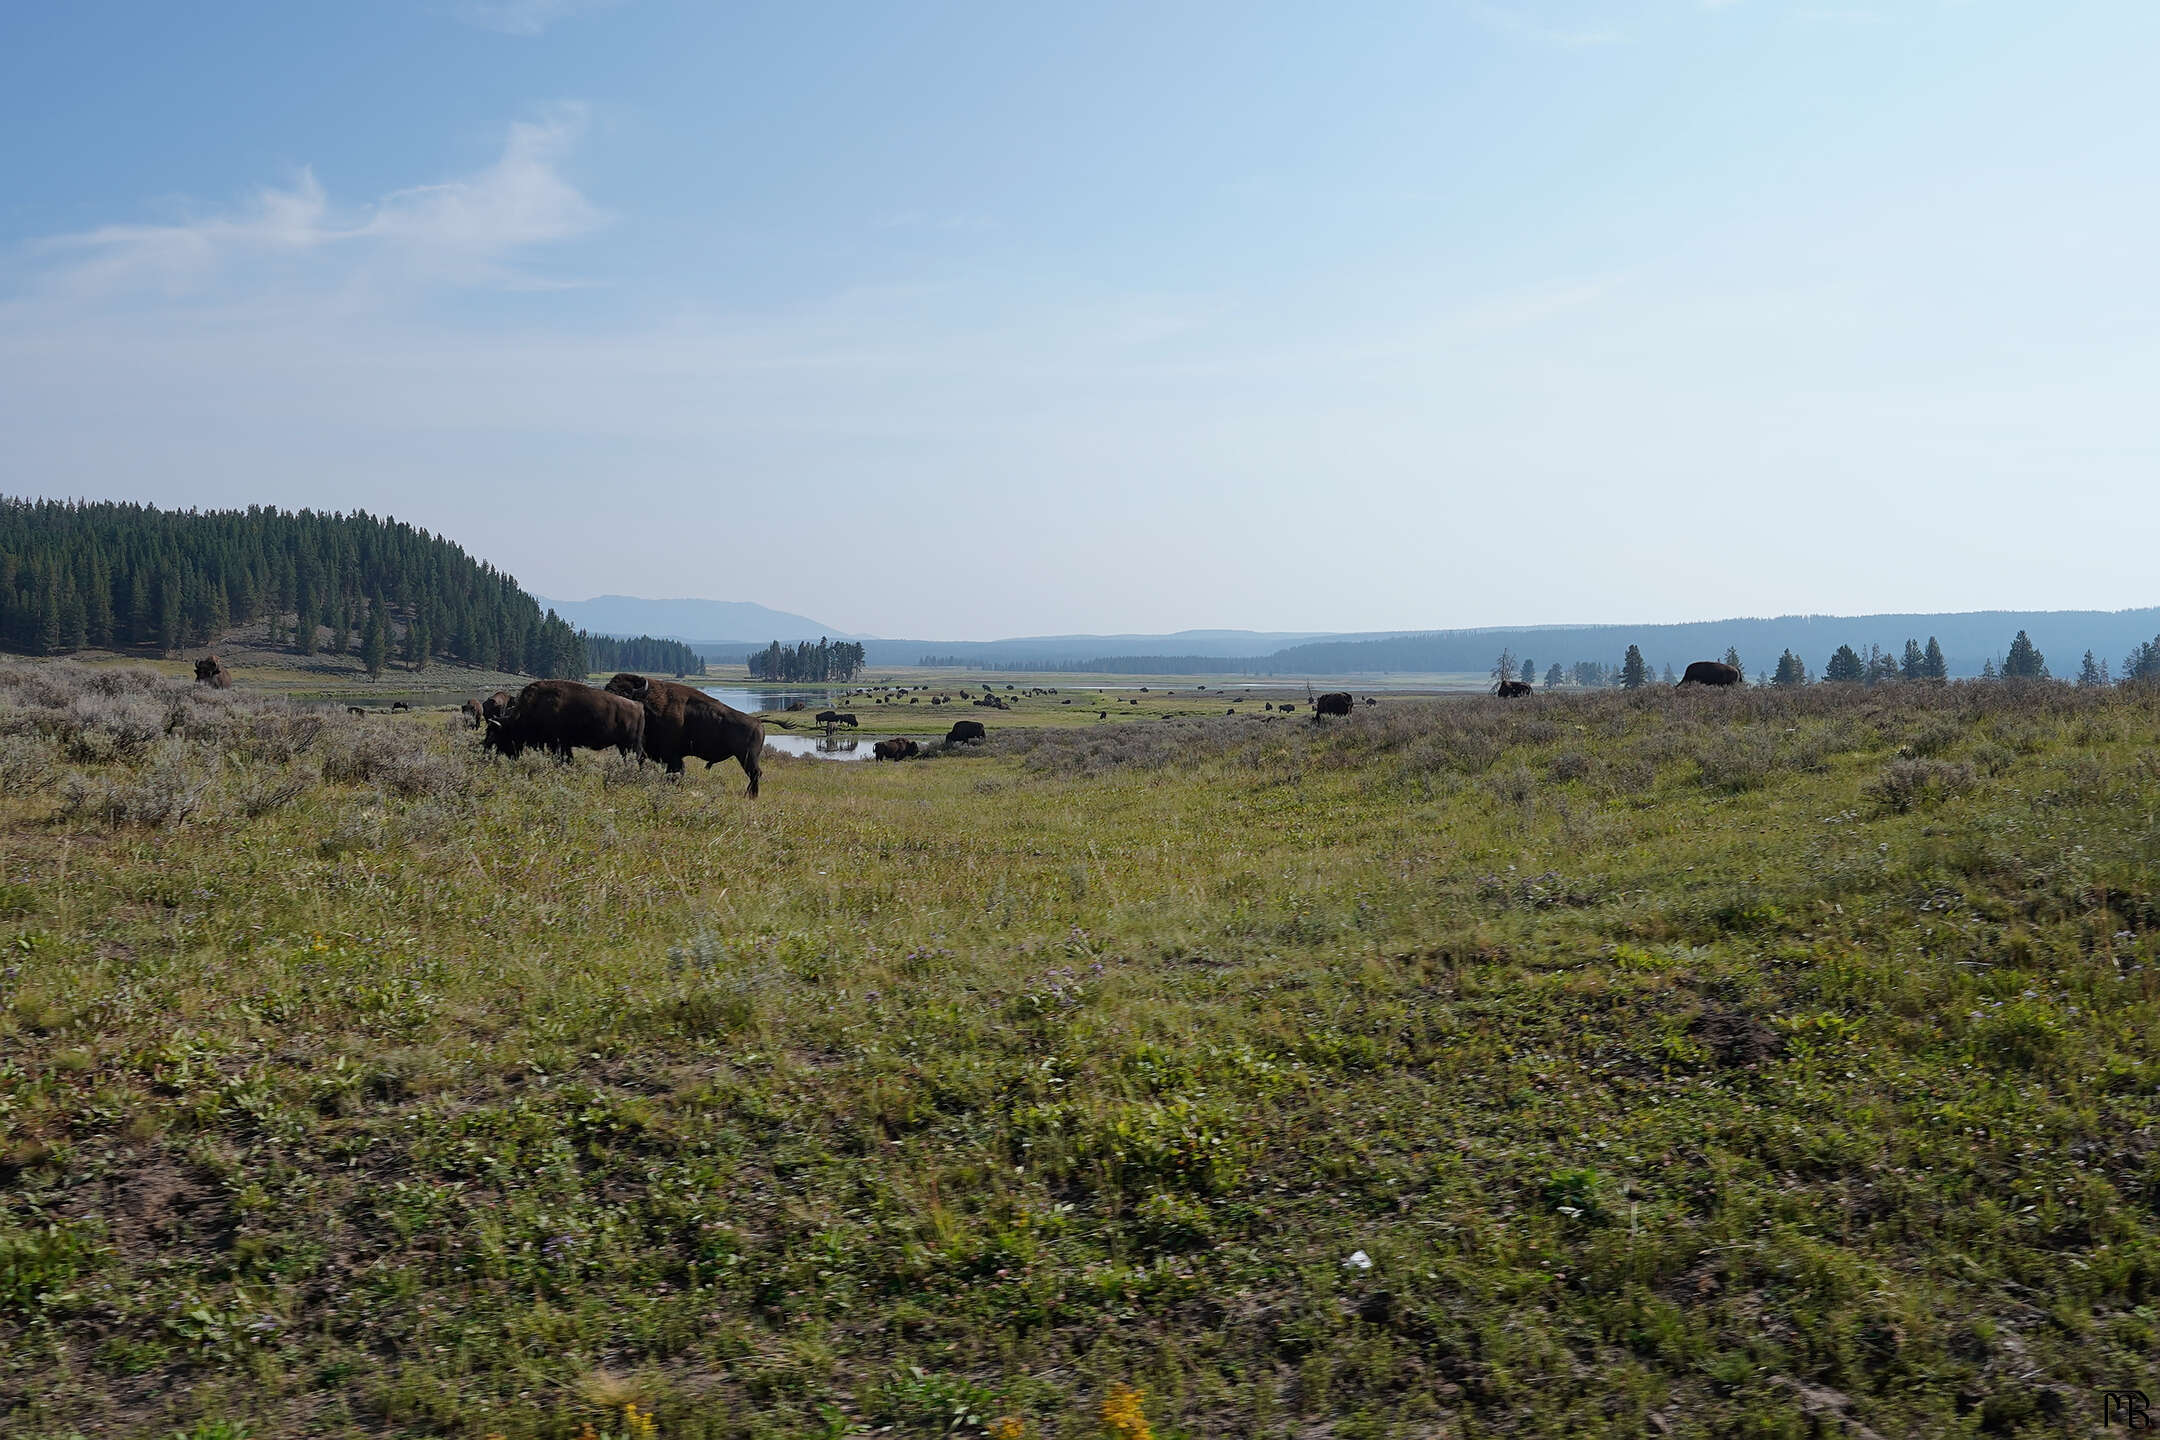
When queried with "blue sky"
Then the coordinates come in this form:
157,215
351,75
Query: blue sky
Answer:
974,321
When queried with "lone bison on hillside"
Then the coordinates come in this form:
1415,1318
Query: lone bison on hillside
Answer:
1512,689
1335,702
211,671
899,747
966,730
682,723
1710,672
562,715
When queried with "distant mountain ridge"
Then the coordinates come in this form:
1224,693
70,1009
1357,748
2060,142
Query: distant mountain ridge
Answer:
700,622
725,631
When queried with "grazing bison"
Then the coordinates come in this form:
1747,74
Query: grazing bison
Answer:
966,730
399,705
211,671
563,715
1710,672
834,717
354,710
899,747
686,724
492,707
1512,689
1335,702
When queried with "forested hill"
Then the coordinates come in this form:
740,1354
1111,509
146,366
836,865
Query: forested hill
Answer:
105,574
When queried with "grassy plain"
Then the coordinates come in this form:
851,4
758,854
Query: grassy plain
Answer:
1748,1064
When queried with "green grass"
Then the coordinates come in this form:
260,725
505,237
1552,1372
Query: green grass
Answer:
1705,1064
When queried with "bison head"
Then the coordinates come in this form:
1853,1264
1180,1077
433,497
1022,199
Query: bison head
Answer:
630,687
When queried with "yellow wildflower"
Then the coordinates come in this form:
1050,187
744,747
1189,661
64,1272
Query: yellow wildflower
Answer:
1011,1427
1121,1414
638,1424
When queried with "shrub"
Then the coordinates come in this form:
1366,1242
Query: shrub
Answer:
1905,783
167,792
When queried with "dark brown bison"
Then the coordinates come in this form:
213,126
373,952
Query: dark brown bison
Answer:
835,717
1710,672
492,707
966,730
560,716
899,747
1512,689
682,723
211,671
399,705
1335,702
354,710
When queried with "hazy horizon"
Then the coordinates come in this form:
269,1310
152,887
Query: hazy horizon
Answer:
974,324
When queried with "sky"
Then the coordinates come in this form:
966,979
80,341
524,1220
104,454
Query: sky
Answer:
977,321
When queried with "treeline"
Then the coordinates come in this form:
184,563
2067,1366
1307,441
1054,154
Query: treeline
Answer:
838,660
1848,665
78,575
643,653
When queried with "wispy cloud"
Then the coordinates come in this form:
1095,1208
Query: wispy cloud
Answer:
522,17
459,229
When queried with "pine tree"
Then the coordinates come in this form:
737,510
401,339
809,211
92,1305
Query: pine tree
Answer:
1935,667
100,617
2024,662
1634,671
416,645
1845,666
2089,672
1732,658
1555,677
1790,670
375,649
341,639
1529,671
1914,664
1987,669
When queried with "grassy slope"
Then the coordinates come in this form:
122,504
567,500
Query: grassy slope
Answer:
1669,1073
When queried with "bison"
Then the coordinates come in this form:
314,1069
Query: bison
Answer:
211,671
399,705
682,723
1710,672
563,715
835,717
492,707
899,747
966,730
354,710
1512,689
1336,702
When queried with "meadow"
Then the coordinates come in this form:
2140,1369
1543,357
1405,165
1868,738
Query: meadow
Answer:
1753,1064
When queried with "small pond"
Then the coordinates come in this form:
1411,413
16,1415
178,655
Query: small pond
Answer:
830,747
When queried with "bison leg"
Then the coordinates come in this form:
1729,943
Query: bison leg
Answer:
751,767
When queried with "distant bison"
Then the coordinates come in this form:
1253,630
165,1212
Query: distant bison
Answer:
966,730
399,705
354,710
211,671
686,724
1336,702
560,716
834,717
1710,672
899,747
1512,689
